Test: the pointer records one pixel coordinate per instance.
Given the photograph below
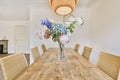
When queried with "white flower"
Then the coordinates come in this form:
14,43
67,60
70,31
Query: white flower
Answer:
40,34
68,33
67,23
79,20
71,19
64,39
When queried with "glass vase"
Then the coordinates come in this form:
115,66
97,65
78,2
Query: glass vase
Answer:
61,54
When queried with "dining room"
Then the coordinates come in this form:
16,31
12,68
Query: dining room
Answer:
59,40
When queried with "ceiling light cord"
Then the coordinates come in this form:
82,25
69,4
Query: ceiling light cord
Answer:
66,15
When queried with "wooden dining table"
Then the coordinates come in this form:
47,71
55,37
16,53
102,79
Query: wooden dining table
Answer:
73,67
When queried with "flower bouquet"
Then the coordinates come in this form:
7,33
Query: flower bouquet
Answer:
60,32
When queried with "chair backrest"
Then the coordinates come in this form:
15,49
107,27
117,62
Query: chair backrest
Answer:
86,52
118,74
110,64
76,48
1,73
43,47
13,65
35,53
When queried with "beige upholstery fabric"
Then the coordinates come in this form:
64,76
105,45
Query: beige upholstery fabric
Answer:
86,52
35,53
1,74
13,65
110,64
118,74
76,47
43,47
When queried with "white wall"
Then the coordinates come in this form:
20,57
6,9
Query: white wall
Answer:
105,28
7,28
14,10
80,35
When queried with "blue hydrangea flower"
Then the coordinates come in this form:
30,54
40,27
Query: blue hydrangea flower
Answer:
47,23
59,28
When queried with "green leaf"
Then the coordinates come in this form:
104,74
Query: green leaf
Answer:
55,37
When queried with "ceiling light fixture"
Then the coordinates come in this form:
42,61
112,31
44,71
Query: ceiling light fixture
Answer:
63,7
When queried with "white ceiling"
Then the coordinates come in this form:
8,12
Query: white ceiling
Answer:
19,9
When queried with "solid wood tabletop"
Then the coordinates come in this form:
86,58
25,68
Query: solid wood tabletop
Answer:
74,67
